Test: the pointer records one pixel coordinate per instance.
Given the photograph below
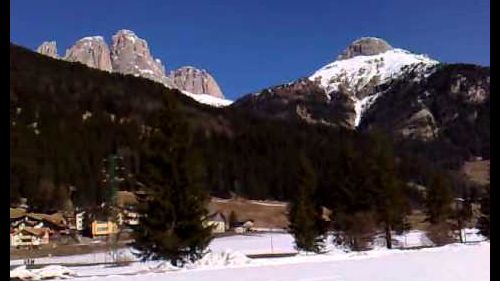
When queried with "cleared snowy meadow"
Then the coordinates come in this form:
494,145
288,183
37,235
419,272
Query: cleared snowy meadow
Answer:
227,261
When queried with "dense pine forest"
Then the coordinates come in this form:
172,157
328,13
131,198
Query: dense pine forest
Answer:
67,119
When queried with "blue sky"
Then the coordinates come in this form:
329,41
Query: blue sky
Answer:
249,45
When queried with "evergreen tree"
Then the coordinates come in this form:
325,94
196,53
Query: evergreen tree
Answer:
439,202
172,225
484,219
354,229
304,216
390,202
462,214
439,199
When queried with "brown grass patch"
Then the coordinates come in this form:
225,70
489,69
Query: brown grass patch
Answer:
266,214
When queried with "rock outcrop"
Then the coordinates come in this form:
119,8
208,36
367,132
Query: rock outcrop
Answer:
453,102
196,81
365,46
131,55
48,48
91,51
303,100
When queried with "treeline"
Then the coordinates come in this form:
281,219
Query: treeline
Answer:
67,119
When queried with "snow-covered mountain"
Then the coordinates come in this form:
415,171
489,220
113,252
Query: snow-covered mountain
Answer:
374,85
130,54
360,72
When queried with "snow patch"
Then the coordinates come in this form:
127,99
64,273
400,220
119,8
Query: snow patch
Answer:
360,106
358,71
92,38
226,257
47,272
208,99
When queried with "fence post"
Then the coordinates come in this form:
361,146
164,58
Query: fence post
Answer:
272,247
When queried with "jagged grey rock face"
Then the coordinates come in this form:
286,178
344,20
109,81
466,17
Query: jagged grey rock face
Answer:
421,125
196,81
366,46
48,48
130,55
91,51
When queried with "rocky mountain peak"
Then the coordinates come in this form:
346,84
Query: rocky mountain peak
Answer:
365,46
196,81
48,48
91,51
131,55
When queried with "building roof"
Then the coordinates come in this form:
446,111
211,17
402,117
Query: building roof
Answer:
56,218
217,216
16,213
33,231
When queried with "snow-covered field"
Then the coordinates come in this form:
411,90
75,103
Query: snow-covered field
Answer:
227,261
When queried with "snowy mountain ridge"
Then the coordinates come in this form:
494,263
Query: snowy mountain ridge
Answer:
373,85
356,74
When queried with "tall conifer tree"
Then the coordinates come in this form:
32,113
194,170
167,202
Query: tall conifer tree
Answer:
304,215
172,225
484,219
439,199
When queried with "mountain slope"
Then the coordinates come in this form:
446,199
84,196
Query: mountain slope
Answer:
360,75
66,118
375,86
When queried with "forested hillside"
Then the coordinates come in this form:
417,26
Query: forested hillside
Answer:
67,119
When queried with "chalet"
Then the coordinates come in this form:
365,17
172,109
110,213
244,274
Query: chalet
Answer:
29,237
20,219
79,216
103,228
74,220
128,217
218,222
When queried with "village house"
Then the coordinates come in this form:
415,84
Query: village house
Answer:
29,237
128,217
103,228
126,201
19,219
218,222
79,216
75,220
